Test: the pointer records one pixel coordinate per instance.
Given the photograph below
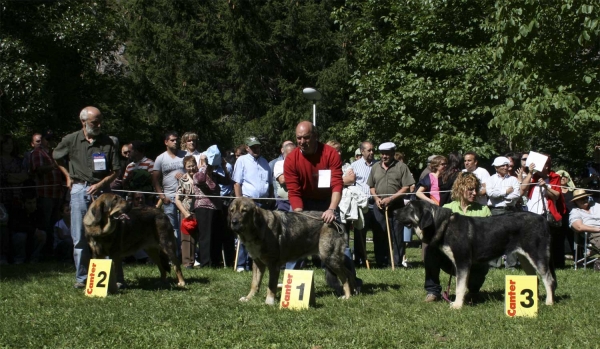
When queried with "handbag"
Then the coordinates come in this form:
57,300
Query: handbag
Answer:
552,222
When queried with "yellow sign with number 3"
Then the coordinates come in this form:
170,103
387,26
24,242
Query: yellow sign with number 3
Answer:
98,277
521,296
297,291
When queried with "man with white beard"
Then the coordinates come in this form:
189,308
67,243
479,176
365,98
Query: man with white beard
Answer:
93,165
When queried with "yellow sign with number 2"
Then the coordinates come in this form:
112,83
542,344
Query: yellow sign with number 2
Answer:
98,277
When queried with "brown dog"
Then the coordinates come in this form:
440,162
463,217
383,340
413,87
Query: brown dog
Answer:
113,230
276,237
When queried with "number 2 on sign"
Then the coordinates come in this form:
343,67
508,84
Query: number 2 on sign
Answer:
98,274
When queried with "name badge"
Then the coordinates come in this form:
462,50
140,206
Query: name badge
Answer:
99,161
324,179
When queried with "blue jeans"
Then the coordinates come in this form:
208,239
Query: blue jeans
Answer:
173,214
80,201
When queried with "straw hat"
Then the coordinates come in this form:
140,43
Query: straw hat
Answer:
579,193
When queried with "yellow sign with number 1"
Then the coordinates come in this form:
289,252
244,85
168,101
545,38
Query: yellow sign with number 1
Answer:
298,289
521,296
98,278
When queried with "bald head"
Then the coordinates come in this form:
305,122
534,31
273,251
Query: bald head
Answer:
306,137
91,121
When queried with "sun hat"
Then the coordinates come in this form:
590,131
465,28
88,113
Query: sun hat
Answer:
578,194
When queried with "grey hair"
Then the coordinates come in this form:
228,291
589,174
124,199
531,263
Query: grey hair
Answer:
288,146
84,114
362,145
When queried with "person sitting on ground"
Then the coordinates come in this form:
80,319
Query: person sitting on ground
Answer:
585,217
26,224
63,243
464,195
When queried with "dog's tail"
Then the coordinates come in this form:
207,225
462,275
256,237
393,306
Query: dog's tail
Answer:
164,261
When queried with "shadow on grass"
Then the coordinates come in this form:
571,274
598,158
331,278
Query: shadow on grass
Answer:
367,289
152,283
37,270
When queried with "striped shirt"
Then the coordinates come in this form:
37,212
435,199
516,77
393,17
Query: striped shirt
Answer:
144,164
362,170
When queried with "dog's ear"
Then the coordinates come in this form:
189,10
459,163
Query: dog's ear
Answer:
257,217
94,214
426,219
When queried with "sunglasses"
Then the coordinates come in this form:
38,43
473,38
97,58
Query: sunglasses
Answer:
126,152
523,159
443,164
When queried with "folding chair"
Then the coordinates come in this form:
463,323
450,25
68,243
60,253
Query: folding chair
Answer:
590,253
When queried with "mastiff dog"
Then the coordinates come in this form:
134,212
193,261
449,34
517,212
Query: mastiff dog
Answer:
275,237
113,229
467,240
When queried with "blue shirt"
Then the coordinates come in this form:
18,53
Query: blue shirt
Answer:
362,171
226,189
253,175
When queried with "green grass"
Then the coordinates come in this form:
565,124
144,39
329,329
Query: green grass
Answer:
40,308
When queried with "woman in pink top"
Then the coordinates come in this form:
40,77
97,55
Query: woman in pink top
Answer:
430,183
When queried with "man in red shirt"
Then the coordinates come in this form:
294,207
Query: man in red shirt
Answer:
313,175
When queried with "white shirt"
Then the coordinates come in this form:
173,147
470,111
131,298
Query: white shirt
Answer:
483,175
496,187
537,202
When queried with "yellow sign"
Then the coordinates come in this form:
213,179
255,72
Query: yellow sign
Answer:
521,296
98,277
298,289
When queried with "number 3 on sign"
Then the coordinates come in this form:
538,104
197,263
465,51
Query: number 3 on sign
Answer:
521,295
98,276
297,291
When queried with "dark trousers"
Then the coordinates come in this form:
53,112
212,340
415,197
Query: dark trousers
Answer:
557,247
435,260
224,239
381,241
360,237
205,218
511,258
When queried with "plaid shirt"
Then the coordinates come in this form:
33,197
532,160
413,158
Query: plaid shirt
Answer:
49,183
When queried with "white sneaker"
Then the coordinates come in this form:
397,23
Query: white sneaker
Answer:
240,269
196,263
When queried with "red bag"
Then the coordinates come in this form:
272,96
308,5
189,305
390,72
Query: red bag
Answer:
188,225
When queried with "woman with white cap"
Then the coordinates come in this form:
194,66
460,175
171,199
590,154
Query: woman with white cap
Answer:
207,205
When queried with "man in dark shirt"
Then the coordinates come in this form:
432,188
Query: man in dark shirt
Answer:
93,163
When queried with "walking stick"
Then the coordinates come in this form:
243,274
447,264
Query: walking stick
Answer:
364,249
237,251
387,223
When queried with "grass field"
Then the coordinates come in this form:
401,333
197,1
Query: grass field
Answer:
40,309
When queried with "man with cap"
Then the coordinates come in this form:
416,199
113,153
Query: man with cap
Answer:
252,178
357,154
585,217
503,193
388,181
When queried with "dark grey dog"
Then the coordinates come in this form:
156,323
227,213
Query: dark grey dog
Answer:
276,237
467,240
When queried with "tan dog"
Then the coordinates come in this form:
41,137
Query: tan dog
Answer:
275,237
113,230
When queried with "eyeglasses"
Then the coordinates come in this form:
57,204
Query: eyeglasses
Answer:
523,159
505,165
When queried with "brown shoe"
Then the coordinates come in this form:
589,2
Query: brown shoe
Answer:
432,298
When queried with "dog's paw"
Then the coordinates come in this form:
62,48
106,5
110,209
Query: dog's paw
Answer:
244,299
455,305
181,284
270,301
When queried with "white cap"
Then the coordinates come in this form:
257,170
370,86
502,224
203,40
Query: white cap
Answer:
387,146
501,160
430,158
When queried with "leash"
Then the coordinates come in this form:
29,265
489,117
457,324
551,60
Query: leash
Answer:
446,294
335,224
